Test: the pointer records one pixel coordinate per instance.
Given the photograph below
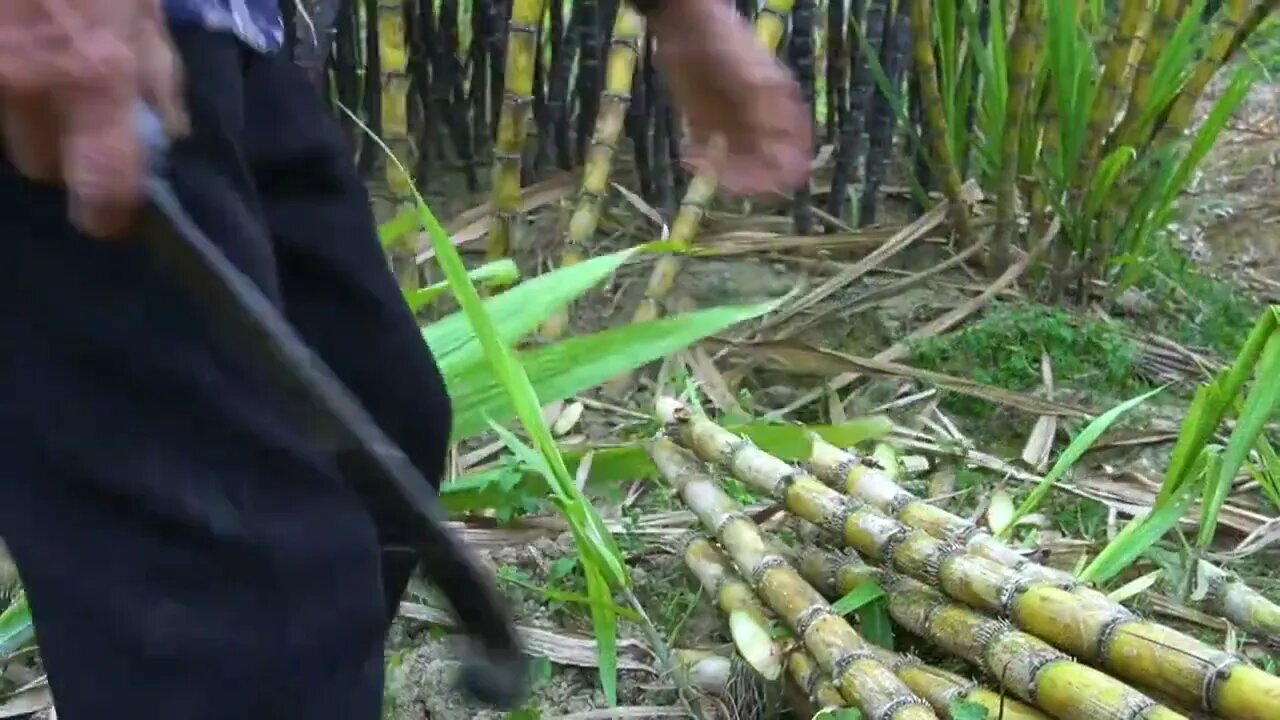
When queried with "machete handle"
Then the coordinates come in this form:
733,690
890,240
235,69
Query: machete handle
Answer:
495,670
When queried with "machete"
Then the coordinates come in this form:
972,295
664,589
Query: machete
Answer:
494,669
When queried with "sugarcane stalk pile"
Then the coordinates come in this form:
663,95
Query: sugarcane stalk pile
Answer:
1043,644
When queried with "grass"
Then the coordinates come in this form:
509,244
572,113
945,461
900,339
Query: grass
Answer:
1004,348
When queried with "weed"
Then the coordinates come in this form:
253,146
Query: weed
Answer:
1005,346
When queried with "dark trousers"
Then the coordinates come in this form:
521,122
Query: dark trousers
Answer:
187,551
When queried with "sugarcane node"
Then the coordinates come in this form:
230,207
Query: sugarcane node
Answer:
968,532
786,481
984,634
900,501
807,618
1221,671
1107,633
1011,591
731,450
602,143
901,702
502,157
845,660
893,542
942,552
726,519
523,28
837,521
767,563
515,99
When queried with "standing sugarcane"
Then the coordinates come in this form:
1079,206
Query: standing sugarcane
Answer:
1026,48
838,650
624,51
1027,666
880,123
1226,597
865,46
801,56
393,61
941,689
513,125
1087,625
935,120
1163,23
1235,14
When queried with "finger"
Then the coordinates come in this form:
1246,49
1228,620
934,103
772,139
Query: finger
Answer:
31,131
102,159
161,77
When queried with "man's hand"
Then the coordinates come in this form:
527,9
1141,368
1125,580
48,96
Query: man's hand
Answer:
747,120
71,72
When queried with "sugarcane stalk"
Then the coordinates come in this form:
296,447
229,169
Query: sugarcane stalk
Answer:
838,650
1085,624
935,120
393,60
1223,596
941,689
715,572
624,53
866,483
1234,14
1163,23
1027,44
1025,665
1133,15
513,124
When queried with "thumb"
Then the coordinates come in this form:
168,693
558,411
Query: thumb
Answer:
102,156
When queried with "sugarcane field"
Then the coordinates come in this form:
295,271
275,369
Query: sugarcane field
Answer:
980,423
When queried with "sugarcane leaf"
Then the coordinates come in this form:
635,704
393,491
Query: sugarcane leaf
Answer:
501,272
566,368
16,627
1075,449
403,223
864,593
604,621
1260,405
516,312
1137,536
965,710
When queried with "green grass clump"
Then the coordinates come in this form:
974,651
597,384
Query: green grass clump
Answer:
1003,348
1196,307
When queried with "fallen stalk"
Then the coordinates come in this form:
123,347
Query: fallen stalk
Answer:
849,659
1025,665
939,688
1224,596
1086,625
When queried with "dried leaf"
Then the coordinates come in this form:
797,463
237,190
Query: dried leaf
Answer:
568,418
1135,587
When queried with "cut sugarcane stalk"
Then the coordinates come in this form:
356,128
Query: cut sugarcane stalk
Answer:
1028,667
1223,595
939,688
838,650
1086,625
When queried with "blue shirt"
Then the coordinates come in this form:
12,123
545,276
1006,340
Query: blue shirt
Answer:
256,22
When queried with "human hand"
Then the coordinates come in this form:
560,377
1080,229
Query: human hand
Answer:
747,121
71,73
